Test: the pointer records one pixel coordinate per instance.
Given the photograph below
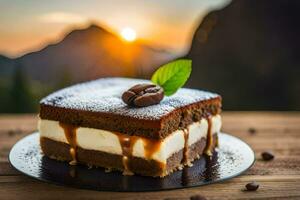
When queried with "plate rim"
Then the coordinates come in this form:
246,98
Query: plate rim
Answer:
33,134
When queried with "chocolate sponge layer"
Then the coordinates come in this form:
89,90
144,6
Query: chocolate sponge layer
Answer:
98,104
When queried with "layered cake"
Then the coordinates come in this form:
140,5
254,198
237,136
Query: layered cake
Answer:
89,124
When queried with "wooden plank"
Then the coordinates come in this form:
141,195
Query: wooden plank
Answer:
271,187
7,170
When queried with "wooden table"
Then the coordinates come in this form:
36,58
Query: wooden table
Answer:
279,179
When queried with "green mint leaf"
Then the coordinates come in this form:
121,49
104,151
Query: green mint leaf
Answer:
173,75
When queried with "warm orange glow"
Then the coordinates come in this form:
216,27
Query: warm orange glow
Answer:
128,34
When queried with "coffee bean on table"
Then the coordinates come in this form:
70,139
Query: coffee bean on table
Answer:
198,197
252,130
267,155
142,95
253,186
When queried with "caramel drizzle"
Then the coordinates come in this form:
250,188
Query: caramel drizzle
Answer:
209,138
150,146
127,143
185,159
70,134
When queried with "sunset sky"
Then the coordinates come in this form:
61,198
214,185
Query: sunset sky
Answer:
29,25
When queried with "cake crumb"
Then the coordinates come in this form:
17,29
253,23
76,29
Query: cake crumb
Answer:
107,170
73,162
127,173
90,166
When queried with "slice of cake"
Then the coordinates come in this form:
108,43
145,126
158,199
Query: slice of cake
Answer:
90,124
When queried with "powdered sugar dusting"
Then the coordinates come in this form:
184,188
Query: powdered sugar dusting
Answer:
104,95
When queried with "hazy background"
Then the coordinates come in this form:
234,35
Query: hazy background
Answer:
245,50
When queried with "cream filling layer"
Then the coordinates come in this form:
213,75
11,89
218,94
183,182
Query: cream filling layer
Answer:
107,141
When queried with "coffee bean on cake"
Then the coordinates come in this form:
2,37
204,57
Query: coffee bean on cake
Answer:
142,95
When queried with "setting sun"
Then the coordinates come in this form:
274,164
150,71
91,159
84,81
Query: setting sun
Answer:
128,34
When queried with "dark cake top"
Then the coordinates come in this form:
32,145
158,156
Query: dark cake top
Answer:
104,95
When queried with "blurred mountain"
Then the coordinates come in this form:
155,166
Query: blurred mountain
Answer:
88,54
6,67
249,53
80,56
